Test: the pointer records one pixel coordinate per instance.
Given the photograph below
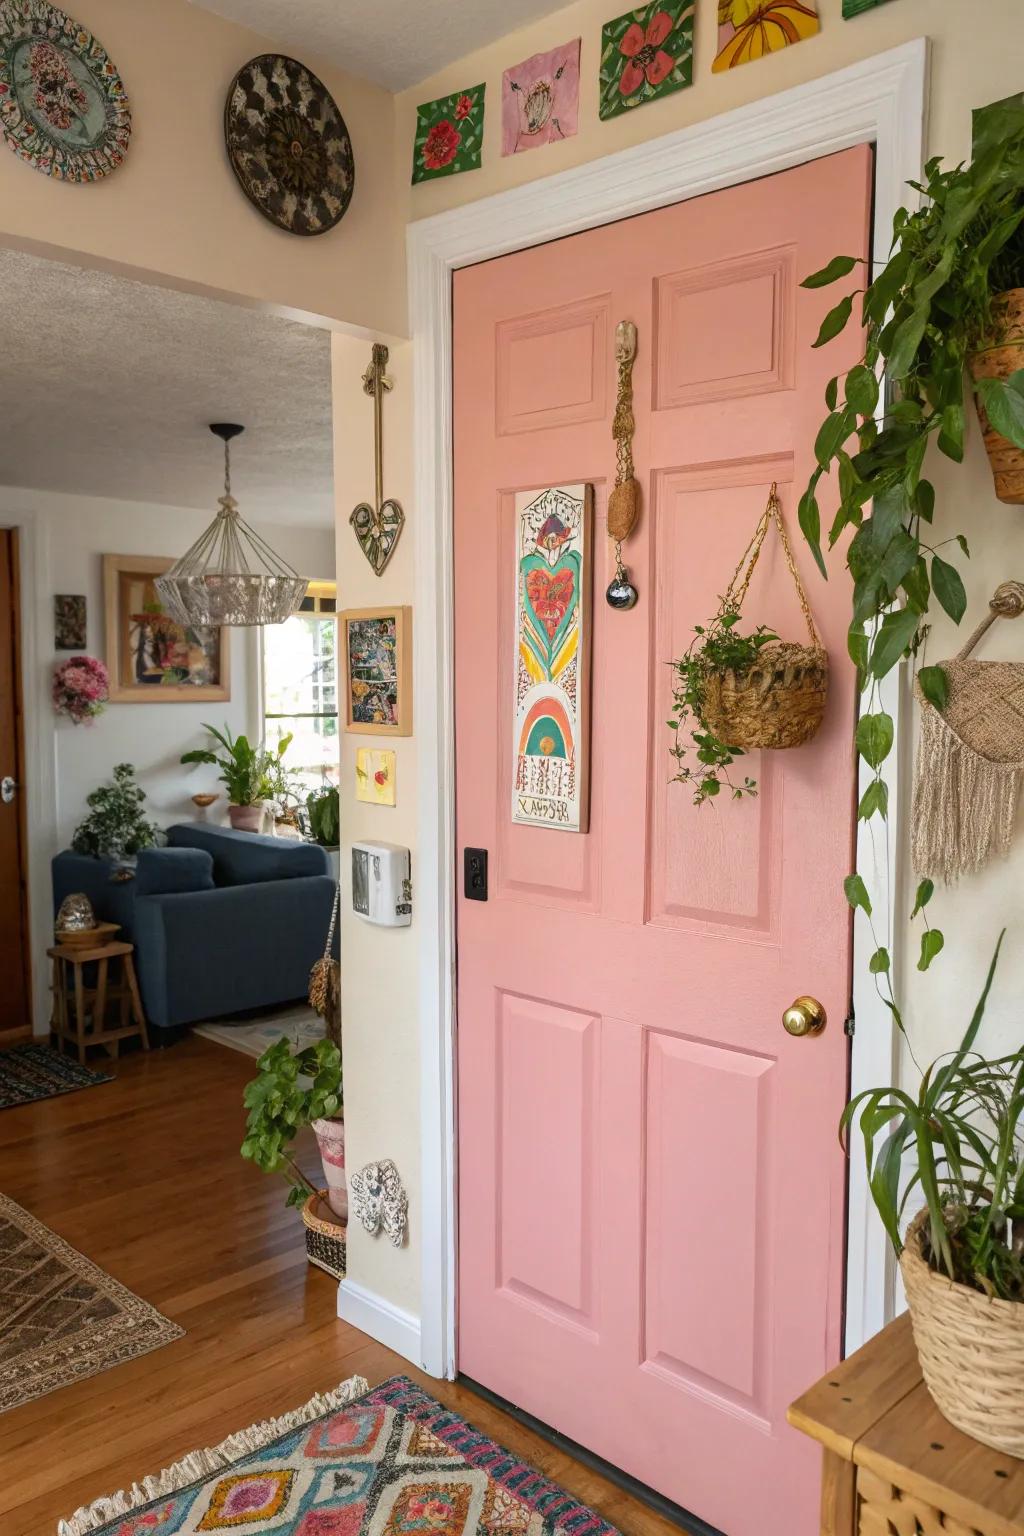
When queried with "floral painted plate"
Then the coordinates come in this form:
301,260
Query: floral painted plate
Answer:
63,107
288,145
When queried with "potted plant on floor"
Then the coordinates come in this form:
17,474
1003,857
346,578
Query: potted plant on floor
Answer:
960,1143
245,773
290,1090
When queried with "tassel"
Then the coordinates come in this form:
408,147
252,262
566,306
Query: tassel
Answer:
325,995
964,805
623,509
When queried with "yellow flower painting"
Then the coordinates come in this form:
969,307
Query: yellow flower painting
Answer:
748,29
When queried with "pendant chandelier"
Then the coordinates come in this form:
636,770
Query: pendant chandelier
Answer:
230,575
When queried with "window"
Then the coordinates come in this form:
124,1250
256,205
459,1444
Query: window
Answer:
300,686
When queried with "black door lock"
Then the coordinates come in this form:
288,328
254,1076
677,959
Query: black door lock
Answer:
475,874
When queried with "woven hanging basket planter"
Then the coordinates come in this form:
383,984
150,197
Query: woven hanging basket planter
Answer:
779,702
1003,355
325,1237
971,1349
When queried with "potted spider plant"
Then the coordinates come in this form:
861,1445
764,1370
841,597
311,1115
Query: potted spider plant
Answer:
959,1143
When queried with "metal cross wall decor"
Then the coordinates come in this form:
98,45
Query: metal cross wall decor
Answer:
378,527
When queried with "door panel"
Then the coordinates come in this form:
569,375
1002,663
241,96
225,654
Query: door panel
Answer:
651,1193
15,1013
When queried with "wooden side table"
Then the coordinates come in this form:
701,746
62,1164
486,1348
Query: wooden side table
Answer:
893,1466
89,1025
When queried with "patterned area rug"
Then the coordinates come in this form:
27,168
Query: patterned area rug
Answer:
30,1072
390,1462
62,1318
300,1025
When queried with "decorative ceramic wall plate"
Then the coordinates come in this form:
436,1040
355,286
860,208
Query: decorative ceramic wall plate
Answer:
288,145
63,107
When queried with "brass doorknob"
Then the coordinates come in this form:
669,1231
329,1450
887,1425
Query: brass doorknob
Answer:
804,1017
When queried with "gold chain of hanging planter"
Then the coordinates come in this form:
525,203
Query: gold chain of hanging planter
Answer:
624,501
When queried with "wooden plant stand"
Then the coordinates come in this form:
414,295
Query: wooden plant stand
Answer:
893,1466
89,1025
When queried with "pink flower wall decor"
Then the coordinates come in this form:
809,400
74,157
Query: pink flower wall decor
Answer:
540,99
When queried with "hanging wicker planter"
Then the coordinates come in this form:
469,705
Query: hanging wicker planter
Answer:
1003,356
780,701
971,1349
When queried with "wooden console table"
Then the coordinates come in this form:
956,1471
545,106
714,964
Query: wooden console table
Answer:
893,1466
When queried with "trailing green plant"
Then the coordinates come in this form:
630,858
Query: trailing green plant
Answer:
116,825
924,313
324,807
245,771
290,1090
704,760
962,1137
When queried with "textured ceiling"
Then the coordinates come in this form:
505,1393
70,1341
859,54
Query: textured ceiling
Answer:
107,387
392,42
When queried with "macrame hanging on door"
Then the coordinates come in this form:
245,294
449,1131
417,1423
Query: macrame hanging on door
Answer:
970,757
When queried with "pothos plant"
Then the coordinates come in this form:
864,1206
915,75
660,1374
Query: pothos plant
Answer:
705,760
290,1090
927,310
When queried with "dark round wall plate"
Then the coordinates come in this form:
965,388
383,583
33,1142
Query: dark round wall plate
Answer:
288,145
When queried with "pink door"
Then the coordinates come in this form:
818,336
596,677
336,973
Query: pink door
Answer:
651,1193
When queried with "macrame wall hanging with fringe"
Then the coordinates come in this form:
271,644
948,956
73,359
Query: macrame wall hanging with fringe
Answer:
970,757
624,500
325,981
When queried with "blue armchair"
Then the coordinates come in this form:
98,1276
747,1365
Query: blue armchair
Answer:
222,921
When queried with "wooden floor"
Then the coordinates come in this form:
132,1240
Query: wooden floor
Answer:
143,1175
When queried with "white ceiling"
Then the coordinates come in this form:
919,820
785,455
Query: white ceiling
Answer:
107,387
392,42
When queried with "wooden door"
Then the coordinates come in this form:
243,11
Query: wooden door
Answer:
15,1013
651,1192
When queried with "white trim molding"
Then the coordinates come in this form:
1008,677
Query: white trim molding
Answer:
382,1320
880,101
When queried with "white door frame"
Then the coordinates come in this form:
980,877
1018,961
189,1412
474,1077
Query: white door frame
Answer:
881,101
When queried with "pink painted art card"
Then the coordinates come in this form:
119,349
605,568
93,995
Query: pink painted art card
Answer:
540,99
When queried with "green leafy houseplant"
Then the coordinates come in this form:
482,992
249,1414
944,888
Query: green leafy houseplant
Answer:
116,825
963,1137
245,770
704,762
929,308
324,809
290,1090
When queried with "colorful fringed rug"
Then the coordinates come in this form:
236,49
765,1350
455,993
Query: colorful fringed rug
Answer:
388,1462
30,1072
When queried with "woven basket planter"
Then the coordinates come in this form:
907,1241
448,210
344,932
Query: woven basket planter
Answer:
1004,355
325,1237
971,1349
778,703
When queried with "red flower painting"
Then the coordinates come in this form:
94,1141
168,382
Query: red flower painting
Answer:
464,107
645,58
442,145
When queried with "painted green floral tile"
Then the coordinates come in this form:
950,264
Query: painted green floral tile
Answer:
645,54
853,8
449,135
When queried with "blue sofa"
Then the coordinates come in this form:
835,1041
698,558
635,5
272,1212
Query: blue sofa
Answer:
222,921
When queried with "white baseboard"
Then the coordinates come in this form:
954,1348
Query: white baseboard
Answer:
382,1320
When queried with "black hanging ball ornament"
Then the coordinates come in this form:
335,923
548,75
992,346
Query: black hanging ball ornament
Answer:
621,593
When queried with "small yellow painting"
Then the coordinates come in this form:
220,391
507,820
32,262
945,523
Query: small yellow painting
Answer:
749,29
375,775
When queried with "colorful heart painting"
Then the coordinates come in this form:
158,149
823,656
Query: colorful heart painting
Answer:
853,8
750,29
553,586
540,99
449,135
645,54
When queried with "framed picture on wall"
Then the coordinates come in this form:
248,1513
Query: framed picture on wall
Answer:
378,671
151,658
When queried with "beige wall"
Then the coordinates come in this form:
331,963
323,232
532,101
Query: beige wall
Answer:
378,965
175,209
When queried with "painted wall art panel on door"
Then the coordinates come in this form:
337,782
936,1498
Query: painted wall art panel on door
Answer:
550,770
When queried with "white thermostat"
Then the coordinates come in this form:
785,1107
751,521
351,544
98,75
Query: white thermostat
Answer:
382,883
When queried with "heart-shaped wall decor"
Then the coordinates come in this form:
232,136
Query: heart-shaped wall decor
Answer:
378,531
